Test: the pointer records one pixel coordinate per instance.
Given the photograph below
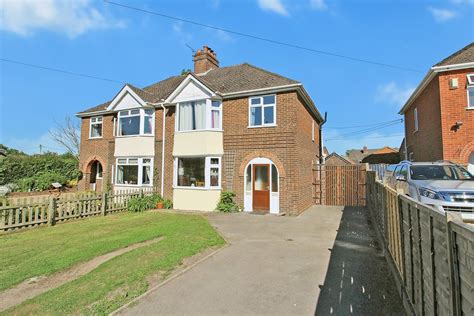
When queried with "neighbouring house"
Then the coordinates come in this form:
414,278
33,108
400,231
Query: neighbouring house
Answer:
357,155
238,128
334,159
382,158
439,115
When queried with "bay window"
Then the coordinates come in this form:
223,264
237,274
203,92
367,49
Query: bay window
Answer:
134,171
199,115
262,111
95,130
135,122
198,172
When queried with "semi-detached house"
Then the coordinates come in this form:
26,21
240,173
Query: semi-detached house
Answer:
238,128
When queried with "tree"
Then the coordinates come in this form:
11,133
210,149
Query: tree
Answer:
68,135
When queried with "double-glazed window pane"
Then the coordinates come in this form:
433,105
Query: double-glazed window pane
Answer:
471,97
96,127
274,179
255,116
127,174
192,116
191,172
130,125
262,111
146,174
148,122
248,180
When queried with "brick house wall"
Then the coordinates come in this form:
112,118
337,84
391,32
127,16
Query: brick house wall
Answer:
457,143
439,108
100,149
289,145
425,144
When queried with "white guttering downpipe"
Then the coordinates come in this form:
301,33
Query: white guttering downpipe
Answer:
163,151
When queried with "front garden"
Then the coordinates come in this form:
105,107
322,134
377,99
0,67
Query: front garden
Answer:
49,250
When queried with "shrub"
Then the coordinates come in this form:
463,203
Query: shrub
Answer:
167,204
143,203
41,181
226,203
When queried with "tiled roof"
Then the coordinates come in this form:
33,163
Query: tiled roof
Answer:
464,55
230,79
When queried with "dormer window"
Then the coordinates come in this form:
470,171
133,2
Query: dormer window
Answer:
199,115
135,122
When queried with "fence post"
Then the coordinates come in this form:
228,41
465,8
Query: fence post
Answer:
453,268
52,211
104,203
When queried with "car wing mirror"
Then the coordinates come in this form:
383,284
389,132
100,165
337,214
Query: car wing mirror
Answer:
401,177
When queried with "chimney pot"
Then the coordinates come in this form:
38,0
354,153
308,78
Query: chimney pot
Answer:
205,59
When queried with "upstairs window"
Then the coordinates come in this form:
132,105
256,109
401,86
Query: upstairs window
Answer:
96,127
199,115
470,91
135,122
262,111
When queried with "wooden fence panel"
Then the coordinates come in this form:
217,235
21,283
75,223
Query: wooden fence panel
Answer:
339,185
432,253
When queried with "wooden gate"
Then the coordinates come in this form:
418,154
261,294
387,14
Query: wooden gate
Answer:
339,185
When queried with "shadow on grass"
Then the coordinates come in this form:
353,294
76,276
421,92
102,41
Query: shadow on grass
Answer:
358,281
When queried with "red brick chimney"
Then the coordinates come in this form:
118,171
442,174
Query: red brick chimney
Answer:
205,59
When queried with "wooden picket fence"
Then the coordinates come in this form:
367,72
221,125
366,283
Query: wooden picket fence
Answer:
431,254
36,211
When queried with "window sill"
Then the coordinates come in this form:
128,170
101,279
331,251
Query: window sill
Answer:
127,136
198,188
92,138
262,126
133,185
201,130
470,108
414,132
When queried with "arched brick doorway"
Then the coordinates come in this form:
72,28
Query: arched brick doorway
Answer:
95,171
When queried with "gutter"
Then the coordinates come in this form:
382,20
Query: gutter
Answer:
321,158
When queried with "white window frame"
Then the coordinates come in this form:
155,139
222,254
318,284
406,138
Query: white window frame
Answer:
142,114
415,118
470,86
96,120
207,173
139,165
263,106
209,109
97,174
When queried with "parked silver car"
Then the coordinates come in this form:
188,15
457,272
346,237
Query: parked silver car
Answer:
443,185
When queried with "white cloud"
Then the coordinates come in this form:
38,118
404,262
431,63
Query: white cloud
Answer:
442,15
275,6
319,4
392,93
183,36
471,2
71,17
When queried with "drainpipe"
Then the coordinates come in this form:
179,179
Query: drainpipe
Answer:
321,159
163,151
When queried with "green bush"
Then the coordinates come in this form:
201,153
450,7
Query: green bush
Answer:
226,203
167,204
143,203
33,172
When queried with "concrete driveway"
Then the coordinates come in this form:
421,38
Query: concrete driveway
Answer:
273,266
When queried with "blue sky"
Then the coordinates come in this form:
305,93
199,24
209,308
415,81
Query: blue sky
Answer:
100,39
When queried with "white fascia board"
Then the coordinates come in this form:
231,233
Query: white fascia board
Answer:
429,76
189,78
96,113
261,91
119,96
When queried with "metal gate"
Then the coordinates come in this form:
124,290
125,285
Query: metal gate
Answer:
339,185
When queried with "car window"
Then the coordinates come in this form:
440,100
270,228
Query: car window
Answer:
436,172
396,170
404,170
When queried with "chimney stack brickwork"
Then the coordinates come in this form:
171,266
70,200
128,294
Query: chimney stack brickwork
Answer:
205,59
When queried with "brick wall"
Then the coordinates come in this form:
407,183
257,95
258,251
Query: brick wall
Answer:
283,144
426,143
101,149
457,143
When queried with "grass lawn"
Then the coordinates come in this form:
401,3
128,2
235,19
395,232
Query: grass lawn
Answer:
46,250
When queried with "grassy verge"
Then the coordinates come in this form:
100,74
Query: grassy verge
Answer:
117,281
